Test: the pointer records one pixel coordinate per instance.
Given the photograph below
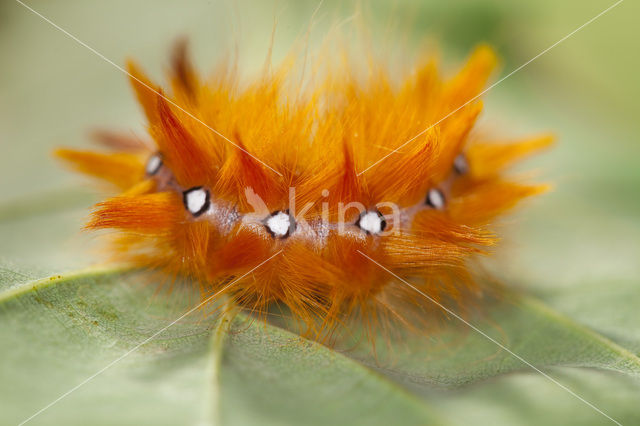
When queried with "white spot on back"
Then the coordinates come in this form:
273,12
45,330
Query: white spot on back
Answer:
435,198
372,222
460,164
153,164
196,200
279,224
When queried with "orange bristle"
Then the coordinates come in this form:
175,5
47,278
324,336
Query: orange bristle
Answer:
121,169
493,157
151,213
146,91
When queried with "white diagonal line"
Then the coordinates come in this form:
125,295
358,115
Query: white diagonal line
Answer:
144,342
515,355
82,43
494,85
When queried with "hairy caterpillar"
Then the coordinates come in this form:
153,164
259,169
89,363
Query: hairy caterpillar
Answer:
326,180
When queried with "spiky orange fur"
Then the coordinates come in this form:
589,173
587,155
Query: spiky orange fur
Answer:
315,138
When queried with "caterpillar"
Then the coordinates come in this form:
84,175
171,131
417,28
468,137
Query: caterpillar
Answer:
312,194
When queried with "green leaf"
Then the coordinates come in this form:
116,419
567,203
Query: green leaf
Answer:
60,330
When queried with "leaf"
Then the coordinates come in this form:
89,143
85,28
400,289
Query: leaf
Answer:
59,330
459,356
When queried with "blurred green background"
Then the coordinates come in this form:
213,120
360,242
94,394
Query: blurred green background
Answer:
576,248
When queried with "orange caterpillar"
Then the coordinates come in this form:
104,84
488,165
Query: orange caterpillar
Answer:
323,179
